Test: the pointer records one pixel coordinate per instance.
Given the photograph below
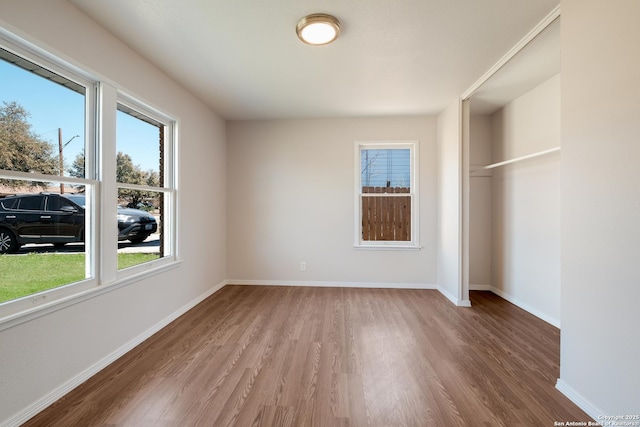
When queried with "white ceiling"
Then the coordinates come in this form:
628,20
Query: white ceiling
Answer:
534,64
394,57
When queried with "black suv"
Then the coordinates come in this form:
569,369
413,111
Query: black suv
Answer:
59,219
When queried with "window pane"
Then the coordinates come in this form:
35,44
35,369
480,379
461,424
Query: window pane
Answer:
387,168
140,234
30,203
386,218
42,121
139,149
386,199
42,241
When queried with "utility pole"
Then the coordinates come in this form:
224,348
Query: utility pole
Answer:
61,159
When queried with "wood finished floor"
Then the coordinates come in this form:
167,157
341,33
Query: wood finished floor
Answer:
287,356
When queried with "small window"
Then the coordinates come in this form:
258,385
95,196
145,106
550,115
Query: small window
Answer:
386,195
9,203
59,203
31,203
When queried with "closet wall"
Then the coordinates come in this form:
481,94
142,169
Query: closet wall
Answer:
514,230
480,201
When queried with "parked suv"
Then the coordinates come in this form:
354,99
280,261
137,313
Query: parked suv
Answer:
59,219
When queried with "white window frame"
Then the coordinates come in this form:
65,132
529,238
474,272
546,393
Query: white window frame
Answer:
101,99
9,310
413,147
169,223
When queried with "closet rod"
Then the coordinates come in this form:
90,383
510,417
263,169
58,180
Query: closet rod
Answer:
518,159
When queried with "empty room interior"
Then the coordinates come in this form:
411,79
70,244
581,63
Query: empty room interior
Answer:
431,219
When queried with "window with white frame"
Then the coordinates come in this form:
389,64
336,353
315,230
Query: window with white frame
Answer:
45,235
386,194
145,191
55,236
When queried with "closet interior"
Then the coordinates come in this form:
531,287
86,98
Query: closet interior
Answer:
513,162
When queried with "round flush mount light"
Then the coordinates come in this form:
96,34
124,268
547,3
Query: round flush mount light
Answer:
318,29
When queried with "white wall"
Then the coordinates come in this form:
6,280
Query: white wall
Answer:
43,356
480,235
600,340
525,208
291,199
449,204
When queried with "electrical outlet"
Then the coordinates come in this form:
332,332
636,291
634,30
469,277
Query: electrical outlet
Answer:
303,266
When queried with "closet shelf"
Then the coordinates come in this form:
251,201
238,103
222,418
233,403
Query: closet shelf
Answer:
521,158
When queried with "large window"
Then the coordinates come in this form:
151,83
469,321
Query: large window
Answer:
67,183
386,206
44,235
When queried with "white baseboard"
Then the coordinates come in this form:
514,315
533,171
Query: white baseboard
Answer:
480,288
515,301
377,285
578,399
42,403
454,299
323,284
457,302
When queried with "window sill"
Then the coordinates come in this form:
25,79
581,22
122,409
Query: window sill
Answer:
24,316
387,247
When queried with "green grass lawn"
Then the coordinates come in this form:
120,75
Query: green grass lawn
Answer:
22,275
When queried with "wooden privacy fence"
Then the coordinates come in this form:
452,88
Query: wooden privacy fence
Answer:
386,215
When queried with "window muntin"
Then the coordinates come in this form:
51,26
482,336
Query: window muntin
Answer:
386,207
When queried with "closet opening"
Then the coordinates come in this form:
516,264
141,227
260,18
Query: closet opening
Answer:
511,176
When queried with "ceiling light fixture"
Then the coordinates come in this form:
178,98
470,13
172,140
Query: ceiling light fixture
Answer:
318,29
